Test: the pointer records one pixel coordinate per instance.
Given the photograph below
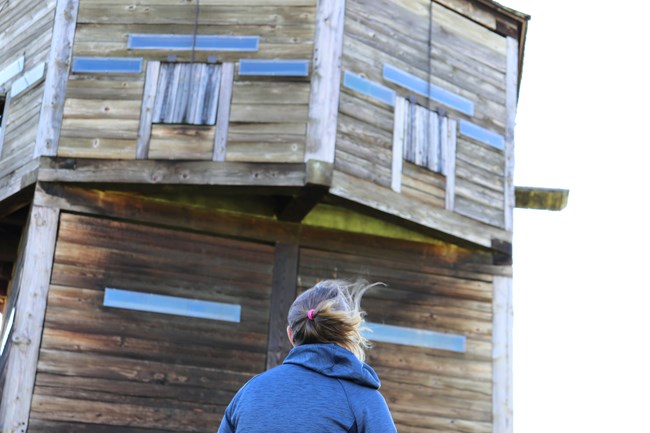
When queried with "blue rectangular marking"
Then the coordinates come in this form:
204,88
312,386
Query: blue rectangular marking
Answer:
420,86
275,68
110,65
174,305
184,42
415,337
30,78
11,70
479,133
370,88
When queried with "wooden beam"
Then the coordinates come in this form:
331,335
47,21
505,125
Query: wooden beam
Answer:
171,172
318,181
448,129
541,198
31,285
146,112
512,73
283,292
56,79
502,404
18,180
325,81
4,122
223,112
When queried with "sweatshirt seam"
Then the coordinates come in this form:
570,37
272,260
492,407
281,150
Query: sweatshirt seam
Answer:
347,399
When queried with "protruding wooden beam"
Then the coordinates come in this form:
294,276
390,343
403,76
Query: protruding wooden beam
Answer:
541,198
318,178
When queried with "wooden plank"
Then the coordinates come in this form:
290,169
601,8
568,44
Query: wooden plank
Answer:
541,198
502,356
283,286
472,209
4,122
223,112
460,228
171,172
120,87
326,81
58,65
268,113
20,178
99,148
146,113
448,147
399,127
512,95
187,142
32,288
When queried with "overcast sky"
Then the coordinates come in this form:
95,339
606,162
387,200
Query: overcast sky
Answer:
581,290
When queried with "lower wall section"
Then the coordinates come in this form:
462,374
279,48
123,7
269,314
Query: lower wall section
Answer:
131,371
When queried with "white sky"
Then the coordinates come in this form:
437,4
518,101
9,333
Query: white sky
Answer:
581,290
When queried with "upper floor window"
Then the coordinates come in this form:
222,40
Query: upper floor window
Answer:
421,135
187,93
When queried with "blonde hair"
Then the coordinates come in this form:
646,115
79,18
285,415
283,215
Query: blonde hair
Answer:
336,317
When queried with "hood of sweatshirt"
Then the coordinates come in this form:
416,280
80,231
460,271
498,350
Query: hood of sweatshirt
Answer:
333,361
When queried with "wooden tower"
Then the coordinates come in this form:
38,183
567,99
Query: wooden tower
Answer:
174,172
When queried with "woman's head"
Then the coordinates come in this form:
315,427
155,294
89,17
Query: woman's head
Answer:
330,312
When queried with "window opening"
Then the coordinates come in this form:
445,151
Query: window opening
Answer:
187,93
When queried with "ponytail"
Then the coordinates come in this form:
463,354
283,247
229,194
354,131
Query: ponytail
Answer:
330,312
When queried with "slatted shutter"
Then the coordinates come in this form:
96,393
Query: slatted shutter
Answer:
187,93
423,142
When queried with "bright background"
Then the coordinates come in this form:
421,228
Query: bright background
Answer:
581,291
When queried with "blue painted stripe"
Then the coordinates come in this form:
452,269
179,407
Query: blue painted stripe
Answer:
420,86
110,65
184,42
275,68
28,79
415,337
175,305
479,133
12,69
370,88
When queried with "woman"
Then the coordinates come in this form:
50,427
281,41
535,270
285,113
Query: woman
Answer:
323,386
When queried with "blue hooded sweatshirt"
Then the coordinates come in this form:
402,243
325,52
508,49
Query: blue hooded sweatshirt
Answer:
320,388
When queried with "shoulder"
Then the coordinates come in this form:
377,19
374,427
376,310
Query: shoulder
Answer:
369,408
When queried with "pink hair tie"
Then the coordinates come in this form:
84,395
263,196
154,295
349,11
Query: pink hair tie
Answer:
310,314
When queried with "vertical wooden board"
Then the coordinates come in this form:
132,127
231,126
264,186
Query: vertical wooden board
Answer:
285,275
398,143
325,83
448,130
502,356
31,288
101,361
58,66
146,114
512,77
223,111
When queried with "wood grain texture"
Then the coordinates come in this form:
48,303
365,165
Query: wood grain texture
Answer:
325,83
32,289
104,366
58,66
502,396
146,111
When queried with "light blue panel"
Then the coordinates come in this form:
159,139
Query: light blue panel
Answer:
171,305
476,132
415,337
28,79
184,42
14,68
275,68
370,88
420,86
110,65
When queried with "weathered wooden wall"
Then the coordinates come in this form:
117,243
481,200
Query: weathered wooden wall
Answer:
426,389
123,370
25,31
466,59
112,370
268,115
